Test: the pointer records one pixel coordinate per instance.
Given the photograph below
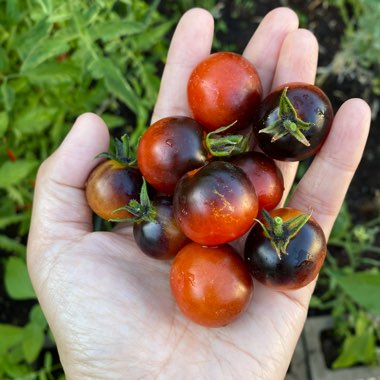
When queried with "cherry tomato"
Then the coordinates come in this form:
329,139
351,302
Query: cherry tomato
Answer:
296,261
168,149
163,238
222,89
265,176
215,204
112,185
293,122
211,285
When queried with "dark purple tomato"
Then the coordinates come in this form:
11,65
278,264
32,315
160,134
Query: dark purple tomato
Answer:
215,204
293,265
265,176
168,149
222,89
112,185
293,122
163,238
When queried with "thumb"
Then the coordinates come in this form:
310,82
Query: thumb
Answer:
71,164
60,209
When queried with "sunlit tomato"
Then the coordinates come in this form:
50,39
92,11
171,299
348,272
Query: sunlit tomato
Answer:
293,122
222,89
215,204
211,285
112,185
163,238
291,266
168,149
265,176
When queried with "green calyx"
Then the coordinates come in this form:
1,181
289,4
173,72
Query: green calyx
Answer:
220,145
279,232
288,122
122,153
143,211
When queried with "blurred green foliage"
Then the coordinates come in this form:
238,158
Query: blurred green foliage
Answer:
358,56
351,283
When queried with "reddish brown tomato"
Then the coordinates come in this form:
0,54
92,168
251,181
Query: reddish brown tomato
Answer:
300,265
161,239
304,111
265,176
112,185
222,89
211,285
168,149
215,204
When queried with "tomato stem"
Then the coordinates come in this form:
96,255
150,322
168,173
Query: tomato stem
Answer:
288,122
122,152
226,145
142,211
279,232
277,226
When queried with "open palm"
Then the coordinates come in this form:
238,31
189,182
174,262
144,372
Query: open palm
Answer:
109,306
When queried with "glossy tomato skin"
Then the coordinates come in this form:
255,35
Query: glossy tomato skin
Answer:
223,88
112,185
211,285
163,238
215,204
312,106
168,149
306,253
265,176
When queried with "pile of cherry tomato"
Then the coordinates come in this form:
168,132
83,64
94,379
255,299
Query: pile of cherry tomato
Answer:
197,185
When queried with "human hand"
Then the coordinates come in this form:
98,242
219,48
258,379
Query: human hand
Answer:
108,305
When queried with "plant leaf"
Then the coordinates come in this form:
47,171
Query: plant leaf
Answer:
10,336
53,73
37,317
117,84
153,35
34,120
10,245
32,342
3,123
45,49
362,287
110,30
13,172
17,281
8,96
356,349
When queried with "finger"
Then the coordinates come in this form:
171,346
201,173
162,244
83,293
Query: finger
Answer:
325,184
191,43
59,201
264,47
297,62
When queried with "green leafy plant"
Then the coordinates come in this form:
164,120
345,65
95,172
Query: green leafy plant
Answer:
352,283
358,57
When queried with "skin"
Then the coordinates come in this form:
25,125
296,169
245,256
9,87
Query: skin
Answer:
109,306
